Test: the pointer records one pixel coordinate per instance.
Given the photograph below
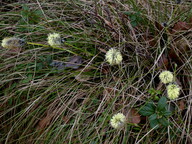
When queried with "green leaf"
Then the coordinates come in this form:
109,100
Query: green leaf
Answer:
158,92
156,98
148,109
151,106
144,112
162,103
133,17
25,7
134,23
28,79
153,117
39,66
49,59
10,101
154,123
167,113
163,121
127,13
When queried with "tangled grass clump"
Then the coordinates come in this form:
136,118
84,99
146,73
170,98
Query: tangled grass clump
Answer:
74,101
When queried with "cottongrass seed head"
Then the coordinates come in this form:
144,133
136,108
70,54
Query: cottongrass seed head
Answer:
118,120
173,91
12,42
166,77
113,56
55,39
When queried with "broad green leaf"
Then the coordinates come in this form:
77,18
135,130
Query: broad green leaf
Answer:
133,17
163,121
153,117
154,123
162,103
151,106
167,113
134,23
148,109
127,13
145,113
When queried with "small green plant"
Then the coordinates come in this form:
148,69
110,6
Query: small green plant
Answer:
30,16
154,93
135,18
158,115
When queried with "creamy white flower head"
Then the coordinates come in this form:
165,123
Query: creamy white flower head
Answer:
113,56
55,39
166,77
173,91
12,42
117,121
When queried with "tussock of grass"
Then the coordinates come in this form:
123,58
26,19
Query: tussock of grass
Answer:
40,104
